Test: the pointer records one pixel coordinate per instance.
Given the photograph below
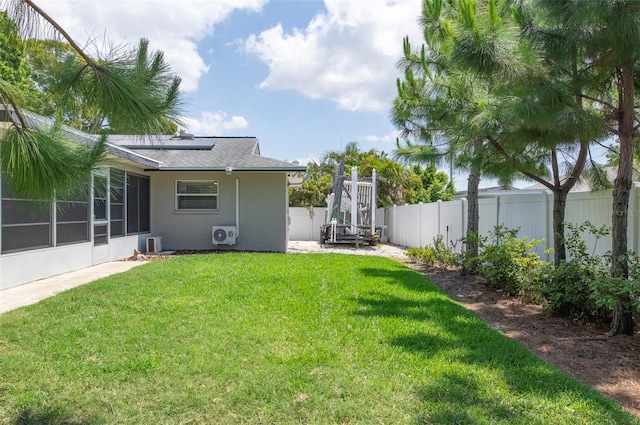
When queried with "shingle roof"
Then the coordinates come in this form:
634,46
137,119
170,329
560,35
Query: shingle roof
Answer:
192,153
39,122
179,152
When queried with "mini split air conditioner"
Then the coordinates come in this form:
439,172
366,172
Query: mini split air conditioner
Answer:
154,244
224,235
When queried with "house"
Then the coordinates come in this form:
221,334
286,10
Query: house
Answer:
177,193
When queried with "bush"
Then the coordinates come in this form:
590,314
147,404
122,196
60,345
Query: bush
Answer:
470,263
509,263
607,290
567,292
439,255
570,289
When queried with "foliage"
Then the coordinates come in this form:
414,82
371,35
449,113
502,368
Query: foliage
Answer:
275,339
509,263
469,260
436,185
607,290
606,38
491,92
397,183
567,289
13,68
582,287
40,147
128,88
314,189
439,255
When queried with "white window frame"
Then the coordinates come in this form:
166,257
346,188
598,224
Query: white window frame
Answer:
215,195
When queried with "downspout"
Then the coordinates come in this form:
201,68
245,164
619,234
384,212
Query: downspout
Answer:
238,209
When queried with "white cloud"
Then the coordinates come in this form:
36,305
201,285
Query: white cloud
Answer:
214,123
386,138
347,54
173,26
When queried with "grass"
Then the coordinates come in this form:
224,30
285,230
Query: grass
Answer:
275,339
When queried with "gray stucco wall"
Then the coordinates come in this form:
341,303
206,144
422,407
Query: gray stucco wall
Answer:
263,211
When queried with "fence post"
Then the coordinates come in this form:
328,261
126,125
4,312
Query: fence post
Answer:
420,223
497,210
393,226
463,231
439,212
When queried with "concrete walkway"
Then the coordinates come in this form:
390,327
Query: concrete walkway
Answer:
31,293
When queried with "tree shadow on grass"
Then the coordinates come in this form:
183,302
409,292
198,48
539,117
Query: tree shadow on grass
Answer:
478,358
461,399
403,276
50,416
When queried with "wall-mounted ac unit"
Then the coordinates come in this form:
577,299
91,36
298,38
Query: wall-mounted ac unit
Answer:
224,235
154,244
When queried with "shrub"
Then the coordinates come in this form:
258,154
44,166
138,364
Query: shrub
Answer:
567,292
607,290
470,263
569,289
438,255
509,263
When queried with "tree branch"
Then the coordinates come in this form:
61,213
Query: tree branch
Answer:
93,64
599,101
554,168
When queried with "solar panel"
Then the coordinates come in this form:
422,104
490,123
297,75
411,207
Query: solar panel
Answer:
164,142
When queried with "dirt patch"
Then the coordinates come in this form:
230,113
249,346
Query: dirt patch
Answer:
611,365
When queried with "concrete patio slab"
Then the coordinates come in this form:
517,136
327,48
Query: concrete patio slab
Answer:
31,293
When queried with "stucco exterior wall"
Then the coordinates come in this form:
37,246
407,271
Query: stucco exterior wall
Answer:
263,211
22,267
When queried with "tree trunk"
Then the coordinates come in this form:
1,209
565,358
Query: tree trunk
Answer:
622,322
473,219
559,246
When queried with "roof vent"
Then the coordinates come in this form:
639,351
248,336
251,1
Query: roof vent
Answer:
185,136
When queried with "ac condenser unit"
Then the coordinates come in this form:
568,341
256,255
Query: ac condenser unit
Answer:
224,235
154,244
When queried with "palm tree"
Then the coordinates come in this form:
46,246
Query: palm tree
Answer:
125,88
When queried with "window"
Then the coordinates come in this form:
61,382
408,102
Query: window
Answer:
196,195
138,204
100,234
72,218
116,218
25,224
99,198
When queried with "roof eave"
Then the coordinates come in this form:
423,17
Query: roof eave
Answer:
127,154
293,169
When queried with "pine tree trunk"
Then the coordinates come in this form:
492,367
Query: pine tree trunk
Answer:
473,217
559,246
622,322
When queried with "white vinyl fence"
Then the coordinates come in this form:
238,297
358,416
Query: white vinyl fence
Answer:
531,213
305,223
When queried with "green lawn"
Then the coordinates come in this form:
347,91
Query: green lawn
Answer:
274,339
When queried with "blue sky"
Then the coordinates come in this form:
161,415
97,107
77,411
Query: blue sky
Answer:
304,76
